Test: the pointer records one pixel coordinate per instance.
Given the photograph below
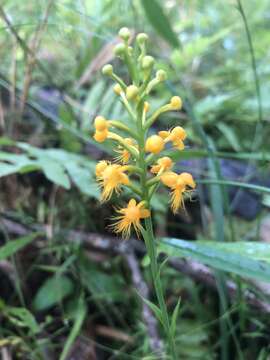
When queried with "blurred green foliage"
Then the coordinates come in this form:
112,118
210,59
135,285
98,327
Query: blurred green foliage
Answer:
206,50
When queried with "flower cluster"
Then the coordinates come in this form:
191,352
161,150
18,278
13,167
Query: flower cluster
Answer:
139,156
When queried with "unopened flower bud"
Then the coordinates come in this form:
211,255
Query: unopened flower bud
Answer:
124,33
119,49
141,38
101,136
154,144
147,62
131,92
117,89
100,123
161,75
146,106
107,70
176,103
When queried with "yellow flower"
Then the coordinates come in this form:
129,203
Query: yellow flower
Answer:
176,136
101,126
130,216
100,167
124,154
154,144
179,185
163,164
110,177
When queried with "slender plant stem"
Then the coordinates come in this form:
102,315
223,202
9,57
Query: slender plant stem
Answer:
152,253
149,239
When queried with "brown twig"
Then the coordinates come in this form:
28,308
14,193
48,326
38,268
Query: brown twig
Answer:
13,75
193,269
31,56
149,320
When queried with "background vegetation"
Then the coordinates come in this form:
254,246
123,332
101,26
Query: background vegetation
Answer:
69,290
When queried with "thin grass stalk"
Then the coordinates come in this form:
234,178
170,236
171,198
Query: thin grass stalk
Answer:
258,136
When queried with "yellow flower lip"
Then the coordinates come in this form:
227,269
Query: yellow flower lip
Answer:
110,177
176,136
154,144
130,216
163,164
100,167
124,154
179,185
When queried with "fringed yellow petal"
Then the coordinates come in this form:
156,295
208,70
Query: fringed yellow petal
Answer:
130,217
163,164
111,178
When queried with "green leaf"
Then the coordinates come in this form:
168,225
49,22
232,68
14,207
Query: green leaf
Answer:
100,284
23,318
8,169
83,179
159,21
247,259
79,316
54,172
12,246
174,317
154,308
53,290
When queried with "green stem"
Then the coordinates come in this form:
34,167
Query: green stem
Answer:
152,253
150,239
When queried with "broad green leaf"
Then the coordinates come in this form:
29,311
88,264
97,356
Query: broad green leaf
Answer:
83,178
101,285
54,172
8,169
247,259
53,291
12,246
159,21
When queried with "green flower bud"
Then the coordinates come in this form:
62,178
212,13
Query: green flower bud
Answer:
107,70
147,62
141,38
161,75
131,92
130,50
119,49
124,33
